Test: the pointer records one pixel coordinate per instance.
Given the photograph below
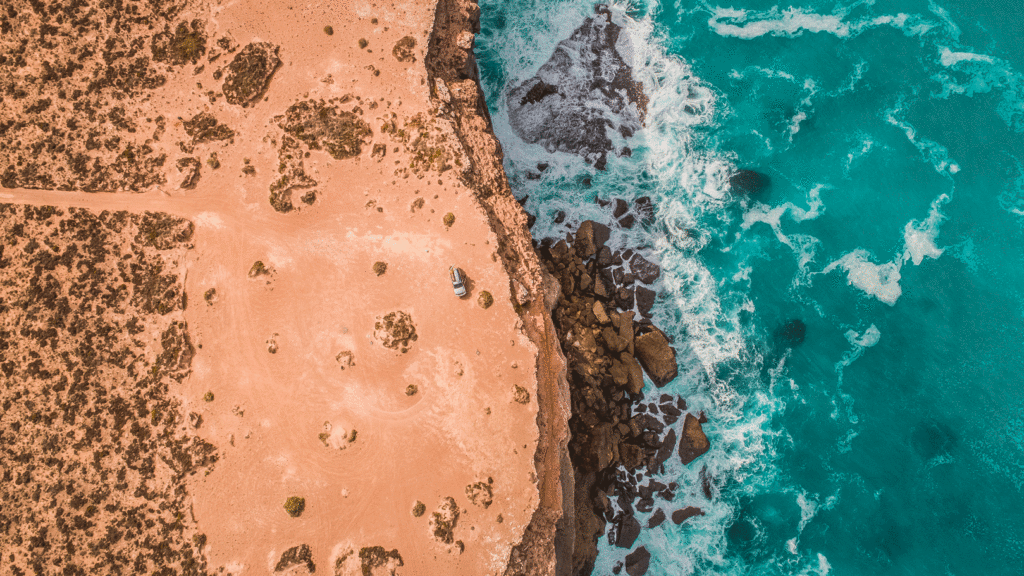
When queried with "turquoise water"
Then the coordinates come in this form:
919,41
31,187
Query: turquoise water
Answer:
892,440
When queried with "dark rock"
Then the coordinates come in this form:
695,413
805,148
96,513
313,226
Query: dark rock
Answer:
590,237
681,404
617,275
628,532
670,419
668,445
645,300
626,151
682,515
634,373
614,342
556,108
604,256
644,269
665,398
638,561
624,298
589,526
559,217
693,442
617,568
656,519
621,207
603,444
627,221
657,357
706,483
542,166
749,182
791,334
702,418
632,456
671,410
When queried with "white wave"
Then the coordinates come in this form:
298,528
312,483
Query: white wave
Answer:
934,152
949,58
879,280
793,22
867,339
803,246
919,237
790,22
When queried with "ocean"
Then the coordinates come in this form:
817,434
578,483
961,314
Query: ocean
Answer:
889,439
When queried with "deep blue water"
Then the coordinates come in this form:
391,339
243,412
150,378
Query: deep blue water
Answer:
892,440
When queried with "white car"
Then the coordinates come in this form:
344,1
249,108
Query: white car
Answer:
458,281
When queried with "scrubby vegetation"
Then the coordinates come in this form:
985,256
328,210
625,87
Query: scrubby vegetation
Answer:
373,557
481,493
210,296
300,555
403,50
411,390
396,331
380,267
208,397
418,509
444,521
485,300
329,30
250,72
294,506
449,219
520,395
94,452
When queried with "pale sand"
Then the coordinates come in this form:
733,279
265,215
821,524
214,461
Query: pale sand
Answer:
323,298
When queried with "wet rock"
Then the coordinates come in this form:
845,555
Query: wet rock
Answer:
604,256
645,270
624,298
590,237
250,72
631,455
638,561
627,221
668,445
749,182
657,357
644,209
645,300
628,531
559,217
706,483
556,108
682,515
620,208
656,519
693,442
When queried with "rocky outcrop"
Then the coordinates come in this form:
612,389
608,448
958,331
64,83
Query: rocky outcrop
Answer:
583,93
749,182
657,357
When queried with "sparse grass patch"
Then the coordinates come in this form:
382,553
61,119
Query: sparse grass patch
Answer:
208,397
380,267
210,296
418,509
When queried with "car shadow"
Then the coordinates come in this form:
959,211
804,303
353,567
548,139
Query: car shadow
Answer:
469,284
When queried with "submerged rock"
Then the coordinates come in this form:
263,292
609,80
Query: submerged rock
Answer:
656,519
693,443
582,93
791,334
749,182
657,357
629,531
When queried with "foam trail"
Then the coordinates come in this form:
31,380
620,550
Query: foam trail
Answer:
879,280
919,237
794,22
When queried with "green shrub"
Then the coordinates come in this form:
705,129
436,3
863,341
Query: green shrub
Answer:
363,43
411,390
485,300
329,30
419,509
294,506
449,219
380,267
208,396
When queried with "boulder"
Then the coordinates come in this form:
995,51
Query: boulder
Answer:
632,456
613,341
628,532
645,270
656,519
600,313
619,374
638,561
682,515
657,357
604,256
644,300
624,298
590,237
644,209
603,445
634,374
693,442
620,208
791,334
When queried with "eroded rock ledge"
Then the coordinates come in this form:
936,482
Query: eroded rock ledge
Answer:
546,546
